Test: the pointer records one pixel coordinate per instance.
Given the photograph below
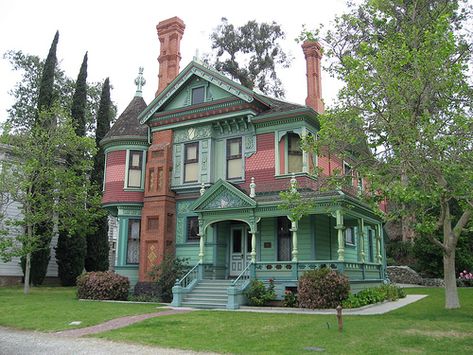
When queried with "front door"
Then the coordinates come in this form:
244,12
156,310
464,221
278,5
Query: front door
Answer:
240,249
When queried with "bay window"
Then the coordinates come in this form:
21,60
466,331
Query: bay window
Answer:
191,162
234,159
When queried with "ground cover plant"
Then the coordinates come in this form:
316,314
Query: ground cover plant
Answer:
53,308
422,327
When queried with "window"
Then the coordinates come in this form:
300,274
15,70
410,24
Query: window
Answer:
135,164
370,245
360,185
192,229
191,162
198,95
350,236
133,242
294,153
234,159
284,239
347,171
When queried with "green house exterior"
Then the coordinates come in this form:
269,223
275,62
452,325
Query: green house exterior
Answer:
216,156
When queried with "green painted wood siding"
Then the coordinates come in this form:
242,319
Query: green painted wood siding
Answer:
268,236
324,238
305,239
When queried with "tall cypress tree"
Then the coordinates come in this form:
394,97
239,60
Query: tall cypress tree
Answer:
44,121
71,247
97,242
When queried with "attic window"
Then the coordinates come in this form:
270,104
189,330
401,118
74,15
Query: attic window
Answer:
198,95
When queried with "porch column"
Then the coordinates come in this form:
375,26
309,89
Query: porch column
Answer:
361,240
201,242
295,252
253,246
379,258
341,242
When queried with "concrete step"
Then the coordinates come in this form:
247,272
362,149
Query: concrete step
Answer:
205,297
206,305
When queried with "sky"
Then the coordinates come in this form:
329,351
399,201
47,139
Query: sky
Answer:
120,36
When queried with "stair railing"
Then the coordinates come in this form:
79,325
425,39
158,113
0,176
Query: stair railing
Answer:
188,278
240,282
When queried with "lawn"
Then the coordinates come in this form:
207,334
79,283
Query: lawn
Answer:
422,327
53,308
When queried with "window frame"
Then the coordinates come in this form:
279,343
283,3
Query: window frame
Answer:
190,161
292,152
194,89
351,243
129,238
229,157
130,167
189,239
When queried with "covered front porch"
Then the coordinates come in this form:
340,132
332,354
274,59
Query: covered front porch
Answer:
252,238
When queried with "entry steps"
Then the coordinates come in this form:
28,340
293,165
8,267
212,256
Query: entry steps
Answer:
208,294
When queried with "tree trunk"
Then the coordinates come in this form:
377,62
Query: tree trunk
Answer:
26,288
451,292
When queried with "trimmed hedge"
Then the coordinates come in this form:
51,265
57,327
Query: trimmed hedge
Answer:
103,285
322,288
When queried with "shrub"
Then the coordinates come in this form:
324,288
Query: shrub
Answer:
322,288
258,295
165,275
290,299
374,295
146,291
70,254
103,285
465,279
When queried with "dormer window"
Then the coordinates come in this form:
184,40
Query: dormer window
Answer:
198,95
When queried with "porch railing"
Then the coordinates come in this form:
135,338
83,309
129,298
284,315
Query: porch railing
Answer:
240,282
189,277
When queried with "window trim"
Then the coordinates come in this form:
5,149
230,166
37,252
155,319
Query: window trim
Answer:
353,236
128,167
191,161
192,240
234,157
128,239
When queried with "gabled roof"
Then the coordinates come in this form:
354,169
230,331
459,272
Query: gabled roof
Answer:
222,195
207,73
127,125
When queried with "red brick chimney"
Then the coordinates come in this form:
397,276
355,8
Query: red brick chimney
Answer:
313,55
170,33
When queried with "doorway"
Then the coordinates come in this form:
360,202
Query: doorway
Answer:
240,249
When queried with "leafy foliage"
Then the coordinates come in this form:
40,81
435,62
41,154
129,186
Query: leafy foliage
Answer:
411,135
146,291
374,295
290,299
257,293
250,54
70,255
166,274
322,288
103,286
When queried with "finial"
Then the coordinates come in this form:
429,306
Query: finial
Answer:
252,188
293,182
202,189
140,82
196,56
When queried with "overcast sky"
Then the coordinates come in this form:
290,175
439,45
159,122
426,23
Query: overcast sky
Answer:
121,35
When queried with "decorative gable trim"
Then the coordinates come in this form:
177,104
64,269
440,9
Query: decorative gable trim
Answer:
222,195
203,71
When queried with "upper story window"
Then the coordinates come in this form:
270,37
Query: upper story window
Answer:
191,162
294,153
347,169
198,95
234,159
135,166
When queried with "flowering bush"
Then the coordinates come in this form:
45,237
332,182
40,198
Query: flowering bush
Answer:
322,288
103,286
290,299
258,294
465,279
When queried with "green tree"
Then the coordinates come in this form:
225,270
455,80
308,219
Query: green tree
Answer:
71,247
250,54
97,241
408,96
39,161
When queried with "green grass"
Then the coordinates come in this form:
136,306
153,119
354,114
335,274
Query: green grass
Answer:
423,327
53,308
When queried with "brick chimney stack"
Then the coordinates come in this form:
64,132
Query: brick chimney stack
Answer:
170,33
313,55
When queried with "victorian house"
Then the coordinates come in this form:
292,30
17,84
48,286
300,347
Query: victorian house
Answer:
197,174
